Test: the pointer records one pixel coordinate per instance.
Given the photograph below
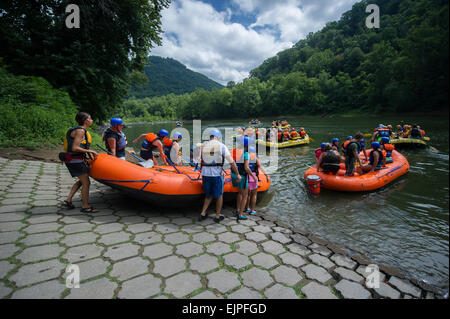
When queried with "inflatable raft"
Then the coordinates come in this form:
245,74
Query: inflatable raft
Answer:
366,182
290,143
161,184
409,142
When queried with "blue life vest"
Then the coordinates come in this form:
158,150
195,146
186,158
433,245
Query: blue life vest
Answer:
380,159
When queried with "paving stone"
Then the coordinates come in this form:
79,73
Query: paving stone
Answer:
343,261
157,251
248,222
204,263
191,229
176,238
352,290
12,217
75,219
392,271
114,238
223,280
299,249
44,202
41,238
314,290
338,250
98,289
108,228
129,268
79,239
13,208
318,240
4,291
42,228
216,228
345,273
264,260
228,237
262,229
39,253
104,219
204,238
147,238
132,220
319,249
46,218
229,222
158,220
122,251
166,228
244,293
183,284
169,266
91,268
46,210
280,237
316,273
139,228
256,278
236,260
362,271
5,267
405,286
286,275
273,247
189,249
255,236
9,237
34,273
140,287
218,249
15,201
46,290
387,291
207,295
321,261
240,229
283,230
84,252
77,228
278,291
362,260
182,221
11,226
292,259
246,247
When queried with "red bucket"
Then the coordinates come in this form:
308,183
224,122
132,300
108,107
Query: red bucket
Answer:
314,184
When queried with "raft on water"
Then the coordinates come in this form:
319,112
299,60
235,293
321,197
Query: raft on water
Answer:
290,143
409,142
162,185
366,182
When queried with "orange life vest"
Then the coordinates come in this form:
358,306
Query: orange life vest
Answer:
302,133
389,147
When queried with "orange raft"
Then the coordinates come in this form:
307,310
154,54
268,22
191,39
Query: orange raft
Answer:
161,184
366,182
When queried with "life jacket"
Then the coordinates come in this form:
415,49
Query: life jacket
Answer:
279,136
389,148
331,158
302,133
121,143
347,143
211,154
85,142
337,147
415,132
148,142
286,134
294,134
238,157
318,152
284,123
380,159
168,143
383,132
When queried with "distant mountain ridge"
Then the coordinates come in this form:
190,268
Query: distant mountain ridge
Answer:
167,75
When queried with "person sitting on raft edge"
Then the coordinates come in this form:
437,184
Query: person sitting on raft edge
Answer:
151,143
213,155
376,160
319,151
329,160
115,140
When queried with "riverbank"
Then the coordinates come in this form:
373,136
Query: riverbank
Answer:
130,251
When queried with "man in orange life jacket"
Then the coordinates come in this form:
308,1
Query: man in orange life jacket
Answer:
151,143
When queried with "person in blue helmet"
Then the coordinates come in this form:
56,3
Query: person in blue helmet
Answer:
213,156
387,148
319,151
115,140
376,159
351,149
363,149
153,142
335,145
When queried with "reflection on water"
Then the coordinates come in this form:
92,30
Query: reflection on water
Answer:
405,224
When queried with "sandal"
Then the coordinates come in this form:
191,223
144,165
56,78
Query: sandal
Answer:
68,205
242,218
89,210
219,219
252,212
248,210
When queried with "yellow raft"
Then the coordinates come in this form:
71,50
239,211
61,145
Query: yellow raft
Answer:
405,141
290,143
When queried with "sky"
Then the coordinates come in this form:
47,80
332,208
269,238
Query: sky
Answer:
225,39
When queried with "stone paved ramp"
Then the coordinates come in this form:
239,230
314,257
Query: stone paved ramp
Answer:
132,250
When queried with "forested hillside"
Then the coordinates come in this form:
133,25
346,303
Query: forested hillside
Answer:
166,75
343,68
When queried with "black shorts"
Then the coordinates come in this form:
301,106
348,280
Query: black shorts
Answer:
147,154
77,169
330,168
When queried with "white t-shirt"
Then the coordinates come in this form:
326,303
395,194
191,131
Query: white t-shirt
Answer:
215,171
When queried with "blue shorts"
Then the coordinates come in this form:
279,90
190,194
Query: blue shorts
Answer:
213,186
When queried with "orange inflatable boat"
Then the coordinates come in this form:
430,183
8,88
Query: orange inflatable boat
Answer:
160,184
366,182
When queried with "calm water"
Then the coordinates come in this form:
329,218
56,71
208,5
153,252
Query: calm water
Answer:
405,224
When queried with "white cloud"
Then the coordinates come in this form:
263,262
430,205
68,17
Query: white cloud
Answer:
207,42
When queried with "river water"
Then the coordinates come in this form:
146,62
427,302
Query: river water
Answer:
405,224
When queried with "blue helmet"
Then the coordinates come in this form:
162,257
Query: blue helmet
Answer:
385,139
116,121
335,140
252,149
216,133
177,135
163,132
375,145
245,140
349,137
323,145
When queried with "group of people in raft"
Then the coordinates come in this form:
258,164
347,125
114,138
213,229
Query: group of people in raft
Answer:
245,166
283,135
402,131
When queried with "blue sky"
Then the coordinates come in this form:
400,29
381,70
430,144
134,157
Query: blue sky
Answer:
225,39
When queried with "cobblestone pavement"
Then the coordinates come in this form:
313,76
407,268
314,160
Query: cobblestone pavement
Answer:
132,250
